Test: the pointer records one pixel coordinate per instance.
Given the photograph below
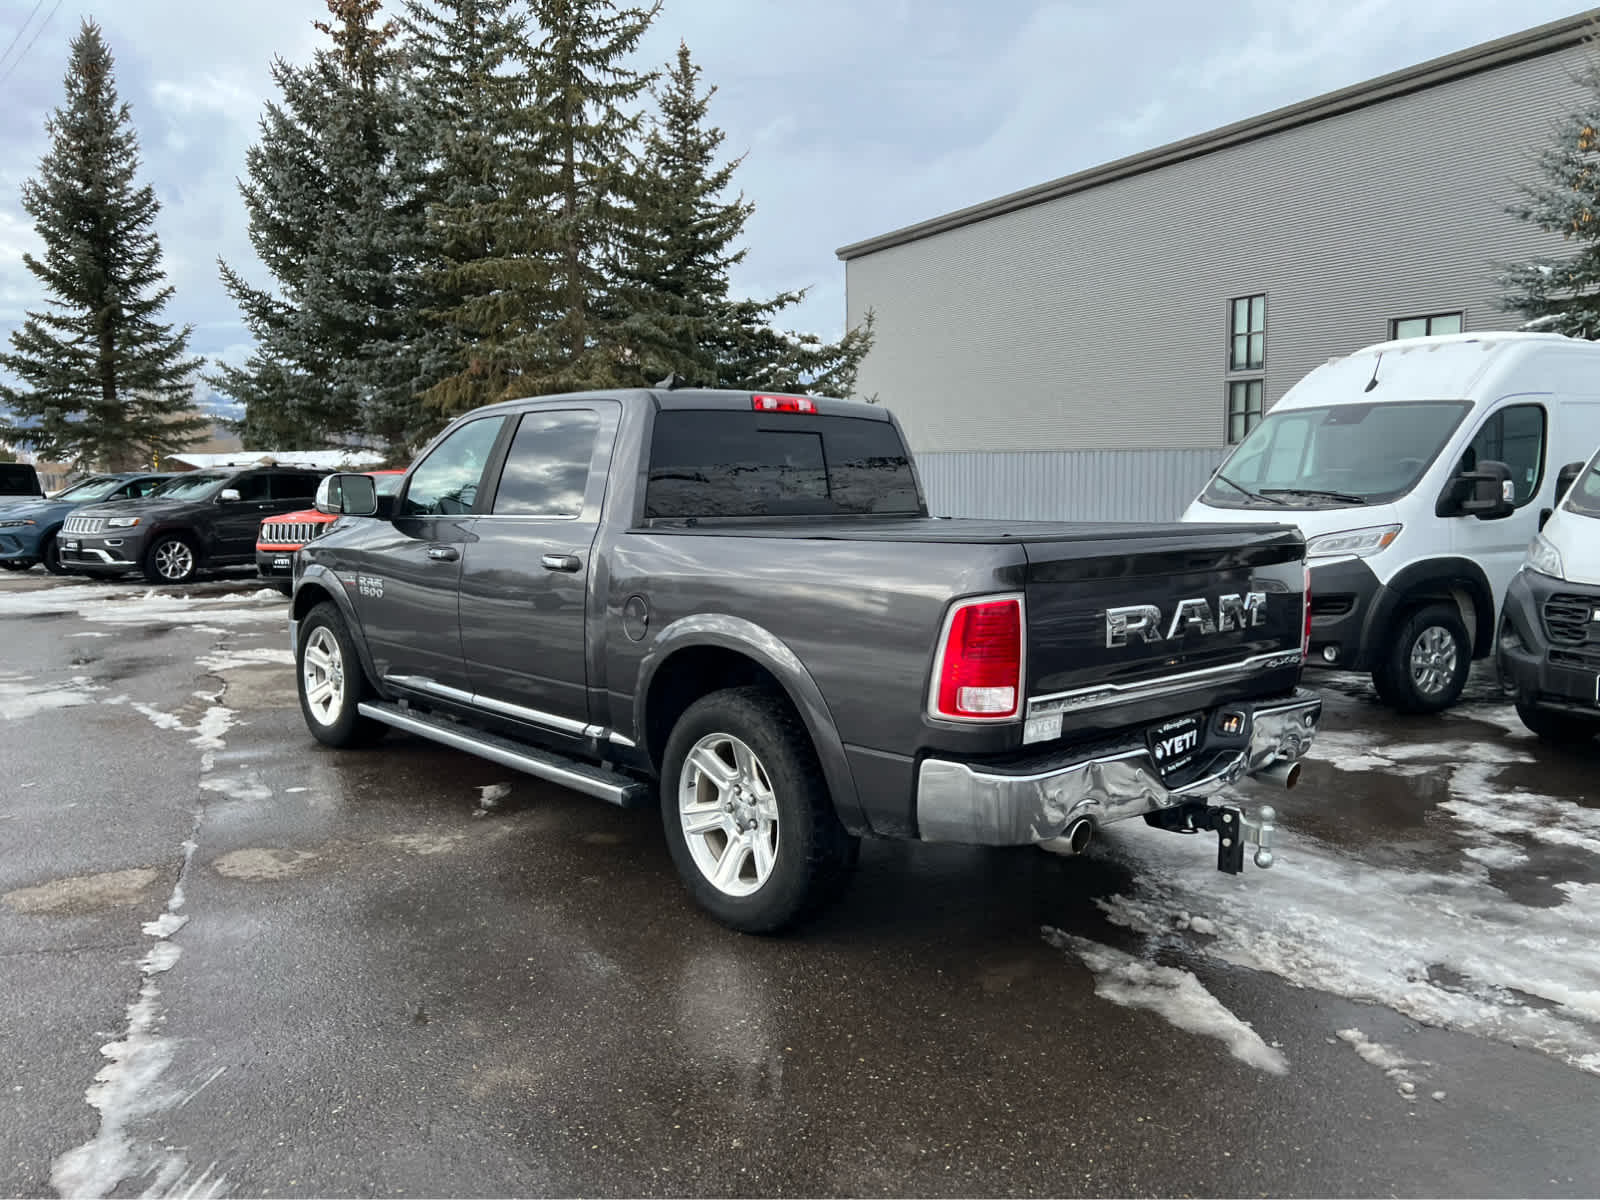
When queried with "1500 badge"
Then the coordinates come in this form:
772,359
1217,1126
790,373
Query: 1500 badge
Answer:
370,585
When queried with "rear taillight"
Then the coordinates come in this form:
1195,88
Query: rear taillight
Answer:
1305,627
979,672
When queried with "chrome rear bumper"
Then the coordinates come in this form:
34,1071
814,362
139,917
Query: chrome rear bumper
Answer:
960,802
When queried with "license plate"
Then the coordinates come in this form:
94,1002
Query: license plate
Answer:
281,563
69,545
1173,743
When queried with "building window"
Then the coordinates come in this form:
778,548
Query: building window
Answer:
1244,408
1247,334
1429,326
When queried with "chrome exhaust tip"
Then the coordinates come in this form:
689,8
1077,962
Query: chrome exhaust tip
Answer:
1073,840
1284,774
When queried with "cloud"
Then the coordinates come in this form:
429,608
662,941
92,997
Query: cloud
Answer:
856,118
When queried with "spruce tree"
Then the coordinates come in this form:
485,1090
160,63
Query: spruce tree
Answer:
1562,294
470,138
671,301
537,321
103,382
336,219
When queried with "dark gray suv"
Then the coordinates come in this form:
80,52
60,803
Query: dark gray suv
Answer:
194,521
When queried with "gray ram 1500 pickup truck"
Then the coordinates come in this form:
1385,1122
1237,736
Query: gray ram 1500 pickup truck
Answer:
738,607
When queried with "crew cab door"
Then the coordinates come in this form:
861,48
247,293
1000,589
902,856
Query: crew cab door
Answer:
234,522
526,579
408,573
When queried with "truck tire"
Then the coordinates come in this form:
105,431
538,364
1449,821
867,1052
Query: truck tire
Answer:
172,558
748,816
331,682
1561,729
1425,665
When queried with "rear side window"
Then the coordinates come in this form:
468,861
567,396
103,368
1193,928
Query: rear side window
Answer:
547,468
748,464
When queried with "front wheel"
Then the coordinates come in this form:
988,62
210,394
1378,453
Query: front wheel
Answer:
331,682
50,555
748,816
1425,665
1562,729
171,559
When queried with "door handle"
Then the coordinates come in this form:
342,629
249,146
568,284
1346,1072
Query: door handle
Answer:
561,562
443,553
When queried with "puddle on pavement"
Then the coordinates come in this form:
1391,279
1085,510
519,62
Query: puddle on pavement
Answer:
80,894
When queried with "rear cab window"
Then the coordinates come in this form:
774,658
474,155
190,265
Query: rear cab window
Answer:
727,463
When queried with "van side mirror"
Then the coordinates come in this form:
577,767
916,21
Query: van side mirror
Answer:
1565,478
347,495
1486,493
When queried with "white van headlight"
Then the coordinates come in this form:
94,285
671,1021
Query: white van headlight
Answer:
1359,542
1544,558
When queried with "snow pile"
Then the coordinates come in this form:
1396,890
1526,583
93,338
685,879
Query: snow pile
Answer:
1174,995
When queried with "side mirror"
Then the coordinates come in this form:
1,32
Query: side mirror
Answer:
347,495
1565,478
1486,493
1492,494
228,496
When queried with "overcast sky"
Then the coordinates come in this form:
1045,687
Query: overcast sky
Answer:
856,116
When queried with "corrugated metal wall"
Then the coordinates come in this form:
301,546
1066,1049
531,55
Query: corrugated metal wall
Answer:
1066,485
1098,321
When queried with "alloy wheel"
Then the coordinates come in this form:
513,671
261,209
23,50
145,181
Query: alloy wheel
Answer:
1433,660
174,560
729,814
322,676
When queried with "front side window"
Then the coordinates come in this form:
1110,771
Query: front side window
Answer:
253,488
1247,334
189,487
1584,494
1429,326
1244,408
547,468
1336,454
1514,436
446,482
295,485
97,487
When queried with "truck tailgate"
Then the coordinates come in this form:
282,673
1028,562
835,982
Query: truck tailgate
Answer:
1161,625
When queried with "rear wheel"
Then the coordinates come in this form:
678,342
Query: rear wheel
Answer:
1425,665
748,816
171,558
1563,729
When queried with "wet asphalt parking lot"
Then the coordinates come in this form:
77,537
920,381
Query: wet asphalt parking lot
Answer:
236,963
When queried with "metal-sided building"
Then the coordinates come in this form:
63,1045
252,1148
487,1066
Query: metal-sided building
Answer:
1088,348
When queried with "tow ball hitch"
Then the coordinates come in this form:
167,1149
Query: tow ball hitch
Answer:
1233,828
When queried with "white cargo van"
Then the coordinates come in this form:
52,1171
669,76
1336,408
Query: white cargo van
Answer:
1418,471
1549,641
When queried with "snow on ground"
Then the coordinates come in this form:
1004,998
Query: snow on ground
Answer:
22,696
1386,1058
253,656
111,604
1173,994
1439,941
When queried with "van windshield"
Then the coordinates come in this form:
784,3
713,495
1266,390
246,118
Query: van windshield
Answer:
1337,454
1584,495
